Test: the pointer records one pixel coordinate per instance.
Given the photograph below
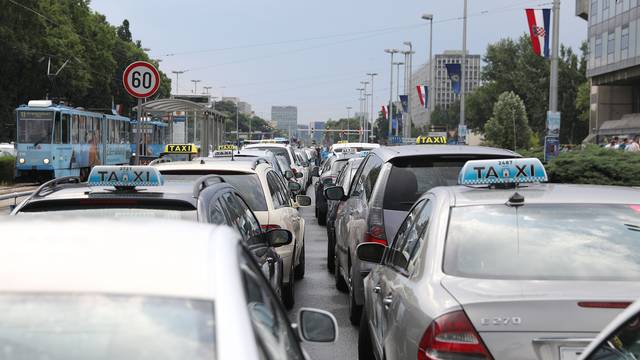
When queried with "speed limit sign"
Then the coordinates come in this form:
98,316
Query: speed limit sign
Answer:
141,79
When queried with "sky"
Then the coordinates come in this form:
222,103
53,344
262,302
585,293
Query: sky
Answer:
312,54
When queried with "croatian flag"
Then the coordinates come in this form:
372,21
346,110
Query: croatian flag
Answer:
539,28
423,95
385,111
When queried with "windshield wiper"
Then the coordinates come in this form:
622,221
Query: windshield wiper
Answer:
41,140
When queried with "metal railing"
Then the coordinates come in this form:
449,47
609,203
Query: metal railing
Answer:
15,196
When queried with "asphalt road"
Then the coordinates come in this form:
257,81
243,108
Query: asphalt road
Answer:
317,290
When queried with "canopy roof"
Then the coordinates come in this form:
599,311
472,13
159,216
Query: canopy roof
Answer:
171,105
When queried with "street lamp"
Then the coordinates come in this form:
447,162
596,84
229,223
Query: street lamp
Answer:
207,88
391,51
397,64
371,114
408,81
178,73
364,109
429,17
195,86
361,90
348,120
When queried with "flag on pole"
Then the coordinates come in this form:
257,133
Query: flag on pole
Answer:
539,28
404,100
385,111
423,95
455,75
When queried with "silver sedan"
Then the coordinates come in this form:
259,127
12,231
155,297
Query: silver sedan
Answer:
483,273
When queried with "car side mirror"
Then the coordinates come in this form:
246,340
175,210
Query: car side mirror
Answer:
317,326
303,200
299,175
371,252
288,174
334,193
315,172
294,186
278,237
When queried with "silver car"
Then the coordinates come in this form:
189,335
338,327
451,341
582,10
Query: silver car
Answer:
141,290
387,184
493,272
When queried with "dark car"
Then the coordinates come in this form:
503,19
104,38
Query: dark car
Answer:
328,175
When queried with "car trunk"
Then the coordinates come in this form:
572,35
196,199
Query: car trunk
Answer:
527,319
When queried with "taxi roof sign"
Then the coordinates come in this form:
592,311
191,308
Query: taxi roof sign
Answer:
227,147
502,171
181,149
424,140
125,176
223,153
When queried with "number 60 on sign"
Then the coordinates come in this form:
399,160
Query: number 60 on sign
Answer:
141,79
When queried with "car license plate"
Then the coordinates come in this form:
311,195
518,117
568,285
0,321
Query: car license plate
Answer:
570,353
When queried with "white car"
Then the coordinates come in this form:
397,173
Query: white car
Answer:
144,289
267,194
287,152
352,147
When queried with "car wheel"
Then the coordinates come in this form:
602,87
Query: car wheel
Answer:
322,217
341,285
331,252
355,310
299,270
288,292
365,347
316,211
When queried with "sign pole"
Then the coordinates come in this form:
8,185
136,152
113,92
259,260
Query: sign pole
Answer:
139,133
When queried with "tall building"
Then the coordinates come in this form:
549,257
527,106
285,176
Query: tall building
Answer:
286,118
443,94
303,134
613,66
318,133
244,107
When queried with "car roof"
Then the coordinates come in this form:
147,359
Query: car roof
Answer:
387,153
543,194
259,145
355,144
172,258
241,164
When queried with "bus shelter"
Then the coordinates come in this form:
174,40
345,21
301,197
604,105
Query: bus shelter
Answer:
203,125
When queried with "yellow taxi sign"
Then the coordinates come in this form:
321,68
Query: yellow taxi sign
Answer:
181,149
439,140
227,147
343,142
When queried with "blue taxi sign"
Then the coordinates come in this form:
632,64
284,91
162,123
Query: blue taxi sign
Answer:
125,176
502,171
363,153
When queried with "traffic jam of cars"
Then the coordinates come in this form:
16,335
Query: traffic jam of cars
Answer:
442,252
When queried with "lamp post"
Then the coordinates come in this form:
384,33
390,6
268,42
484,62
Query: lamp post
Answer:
364,110
348,120
391,51
397,64
195,86
371,121
463,72
206,89
431,88
361,90
408,85
178,73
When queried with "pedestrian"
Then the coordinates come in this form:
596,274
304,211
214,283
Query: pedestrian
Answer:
623,145
634,145
613,143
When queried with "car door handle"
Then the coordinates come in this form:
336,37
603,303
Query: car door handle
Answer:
271,260
388,300
377,289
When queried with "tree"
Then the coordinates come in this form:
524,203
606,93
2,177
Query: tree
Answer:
449,117
509,119
123,31
245,122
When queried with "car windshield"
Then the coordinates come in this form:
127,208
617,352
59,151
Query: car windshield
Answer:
411,177
85,327
247,184
544,242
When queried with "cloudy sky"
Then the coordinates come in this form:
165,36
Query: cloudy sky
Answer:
311,54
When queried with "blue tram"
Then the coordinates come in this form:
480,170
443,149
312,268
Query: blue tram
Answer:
57,140
155,135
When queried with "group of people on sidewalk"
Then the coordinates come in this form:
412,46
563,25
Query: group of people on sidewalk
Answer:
625,144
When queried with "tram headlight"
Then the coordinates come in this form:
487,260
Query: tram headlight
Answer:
21,160
45,161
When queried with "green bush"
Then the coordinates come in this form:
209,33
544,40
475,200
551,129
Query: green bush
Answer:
7,166
595,165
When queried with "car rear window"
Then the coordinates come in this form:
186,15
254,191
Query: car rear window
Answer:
278,151
247,184
544,242
410,177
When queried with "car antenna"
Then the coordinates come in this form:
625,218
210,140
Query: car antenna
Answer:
516,200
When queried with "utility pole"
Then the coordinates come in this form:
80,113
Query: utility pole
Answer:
398,90
463,66
363,115
178,73
555,44
361,90
348,120
408,87
206,89
195,86
391,51
370,115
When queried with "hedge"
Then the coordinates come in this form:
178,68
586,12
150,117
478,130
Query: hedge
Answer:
595,165
7,166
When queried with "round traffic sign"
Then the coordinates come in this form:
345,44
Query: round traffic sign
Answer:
141,79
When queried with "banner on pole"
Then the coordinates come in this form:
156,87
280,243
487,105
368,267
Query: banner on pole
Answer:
551,147
404,100
553,124
539,28
455,75
385,111
423,95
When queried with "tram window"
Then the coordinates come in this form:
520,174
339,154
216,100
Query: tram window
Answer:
127,127
82,130
123,132
57,129
89,124
65,128
98,126
75,129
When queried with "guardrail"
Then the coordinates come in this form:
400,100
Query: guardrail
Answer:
15,196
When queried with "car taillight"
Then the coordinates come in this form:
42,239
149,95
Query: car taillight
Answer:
376,234
294,171
604,304
452,336
269,227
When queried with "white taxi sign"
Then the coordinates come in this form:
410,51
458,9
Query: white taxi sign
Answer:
223,153
125,176
502,171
